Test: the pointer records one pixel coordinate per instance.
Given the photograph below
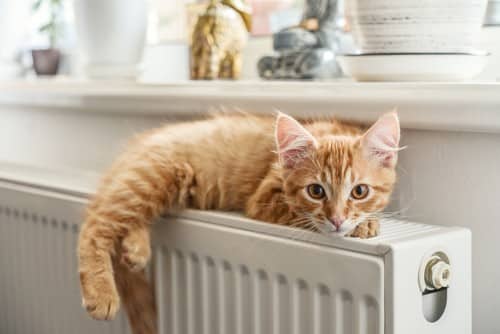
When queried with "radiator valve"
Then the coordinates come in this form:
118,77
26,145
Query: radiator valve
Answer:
435,272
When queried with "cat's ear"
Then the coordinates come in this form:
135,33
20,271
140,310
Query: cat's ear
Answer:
381,141
293,141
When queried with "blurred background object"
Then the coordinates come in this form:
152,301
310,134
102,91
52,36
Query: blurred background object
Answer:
272,15
492,16
416,26
14,19
111,37
113,45
415,40
219,36
305,50
414,67
490,40
171,24
165,62
46,60
35,36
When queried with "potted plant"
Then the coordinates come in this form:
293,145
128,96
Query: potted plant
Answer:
46,61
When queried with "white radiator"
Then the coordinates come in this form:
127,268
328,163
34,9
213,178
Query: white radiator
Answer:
219,273
39,289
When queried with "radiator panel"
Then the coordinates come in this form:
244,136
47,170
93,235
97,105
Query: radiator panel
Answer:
203,285
221,273
242,282
38,277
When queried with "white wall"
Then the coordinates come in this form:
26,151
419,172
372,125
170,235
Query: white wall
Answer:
453,178
446,177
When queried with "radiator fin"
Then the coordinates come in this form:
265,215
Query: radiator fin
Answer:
178,279
323,310
281,305
200,290
194,319
262,303
227,295
301,308
39,280
208,295
344,312
396,229
368,315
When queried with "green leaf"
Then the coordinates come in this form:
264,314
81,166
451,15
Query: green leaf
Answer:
56,4
47,27
36,5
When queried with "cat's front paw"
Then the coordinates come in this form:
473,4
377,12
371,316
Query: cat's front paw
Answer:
365,230
99,297
136,249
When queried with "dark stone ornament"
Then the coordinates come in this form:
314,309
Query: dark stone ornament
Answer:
305,51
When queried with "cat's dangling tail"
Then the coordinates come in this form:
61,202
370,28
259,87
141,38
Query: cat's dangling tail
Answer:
138,299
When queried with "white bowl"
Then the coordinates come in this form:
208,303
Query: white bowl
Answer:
413,67
389,26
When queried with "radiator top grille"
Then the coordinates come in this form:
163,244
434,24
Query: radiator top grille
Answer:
79,185
398,229
392,231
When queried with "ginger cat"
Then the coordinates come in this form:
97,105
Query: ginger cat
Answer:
324,176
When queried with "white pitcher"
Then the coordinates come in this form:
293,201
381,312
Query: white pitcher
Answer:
111,37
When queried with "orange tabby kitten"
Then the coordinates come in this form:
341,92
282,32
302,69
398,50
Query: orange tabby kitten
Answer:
325,176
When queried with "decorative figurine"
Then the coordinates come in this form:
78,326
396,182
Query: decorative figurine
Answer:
218,38
305,51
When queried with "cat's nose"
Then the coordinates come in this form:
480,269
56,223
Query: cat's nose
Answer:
337,221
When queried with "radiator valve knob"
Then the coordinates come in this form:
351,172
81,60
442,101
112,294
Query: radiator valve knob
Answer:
438,273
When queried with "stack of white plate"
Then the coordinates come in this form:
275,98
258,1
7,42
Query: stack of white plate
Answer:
414,39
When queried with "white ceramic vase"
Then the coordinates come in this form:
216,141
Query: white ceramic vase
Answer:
111,37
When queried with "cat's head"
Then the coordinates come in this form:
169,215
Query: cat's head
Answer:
332,182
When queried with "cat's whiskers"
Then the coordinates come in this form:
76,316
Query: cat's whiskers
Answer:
302,225
386,214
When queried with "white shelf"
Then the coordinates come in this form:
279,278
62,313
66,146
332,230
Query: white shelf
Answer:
441,106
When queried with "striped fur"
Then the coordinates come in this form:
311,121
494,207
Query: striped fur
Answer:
225,163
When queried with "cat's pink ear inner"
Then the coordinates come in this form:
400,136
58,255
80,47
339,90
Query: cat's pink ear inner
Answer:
381,141
293,141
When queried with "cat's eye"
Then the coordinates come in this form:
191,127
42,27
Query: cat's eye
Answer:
316,191
360,191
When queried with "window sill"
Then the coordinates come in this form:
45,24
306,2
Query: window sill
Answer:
473,107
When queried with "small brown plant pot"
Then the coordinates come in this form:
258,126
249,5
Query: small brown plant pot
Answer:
46,61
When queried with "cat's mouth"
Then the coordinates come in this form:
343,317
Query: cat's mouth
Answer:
329,229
